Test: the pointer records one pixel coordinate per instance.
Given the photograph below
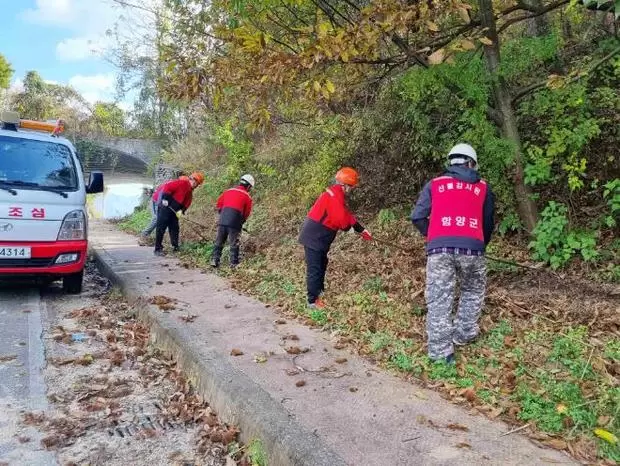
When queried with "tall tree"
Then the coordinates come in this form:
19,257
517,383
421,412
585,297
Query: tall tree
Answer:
6,72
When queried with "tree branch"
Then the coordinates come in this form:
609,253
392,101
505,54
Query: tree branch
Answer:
524,92
540,12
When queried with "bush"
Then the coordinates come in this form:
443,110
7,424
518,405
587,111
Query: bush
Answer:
555,243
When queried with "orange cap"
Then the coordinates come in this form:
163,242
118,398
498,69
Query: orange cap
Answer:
198,177
348,176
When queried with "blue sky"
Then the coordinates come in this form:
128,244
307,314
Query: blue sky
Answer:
64,40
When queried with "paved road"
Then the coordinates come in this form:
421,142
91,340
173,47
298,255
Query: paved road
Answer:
22,386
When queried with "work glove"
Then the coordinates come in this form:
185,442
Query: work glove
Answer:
366,236
164,203
179,213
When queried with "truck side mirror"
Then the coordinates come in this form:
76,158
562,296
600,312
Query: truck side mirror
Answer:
95,183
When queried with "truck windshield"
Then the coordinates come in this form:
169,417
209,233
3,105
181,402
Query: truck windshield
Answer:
30,164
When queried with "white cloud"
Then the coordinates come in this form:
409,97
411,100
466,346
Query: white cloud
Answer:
77,15
94,87
80,48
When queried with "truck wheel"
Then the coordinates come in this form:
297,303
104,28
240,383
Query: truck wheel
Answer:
72,284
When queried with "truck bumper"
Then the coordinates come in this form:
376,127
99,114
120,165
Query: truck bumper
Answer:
46,259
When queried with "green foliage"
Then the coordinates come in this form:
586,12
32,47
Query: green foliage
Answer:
523,55
402,361
569,349
6,72
380,340
441,370
321,158
567,126
42,101
109,118
535,407
256,453
612,195
136,222
555,243
373,284
386,217
238,151
318,316
510,222
494,339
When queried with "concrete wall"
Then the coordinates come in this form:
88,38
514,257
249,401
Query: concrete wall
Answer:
143,149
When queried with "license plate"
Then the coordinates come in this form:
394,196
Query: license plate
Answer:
7,252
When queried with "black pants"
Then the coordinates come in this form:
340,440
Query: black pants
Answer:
166,218
226,233
316,266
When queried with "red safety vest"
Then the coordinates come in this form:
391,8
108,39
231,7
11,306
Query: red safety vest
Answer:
457,208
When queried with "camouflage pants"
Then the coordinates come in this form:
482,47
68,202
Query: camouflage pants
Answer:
441,274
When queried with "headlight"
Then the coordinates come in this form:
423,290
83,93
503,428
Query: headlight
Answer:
73,226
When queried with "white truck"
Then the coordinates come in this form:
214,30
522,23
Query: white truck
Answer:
43,216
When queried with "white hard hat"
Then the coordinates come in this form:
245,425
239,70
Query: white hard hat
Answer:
249,179
463,150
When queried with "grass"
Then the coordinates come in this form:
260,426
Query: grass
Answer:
136,222
256,453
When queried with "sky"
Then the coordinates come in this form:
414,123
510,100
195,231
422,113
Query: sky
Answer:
64,40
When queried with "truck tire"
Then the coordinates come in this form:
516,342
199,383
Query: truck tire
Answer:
72,284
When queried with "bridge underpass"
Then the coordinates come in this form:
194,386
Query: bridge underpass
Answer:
125,165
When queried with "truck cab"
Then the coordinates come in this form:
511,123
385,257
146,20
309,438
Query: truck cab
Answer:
43,216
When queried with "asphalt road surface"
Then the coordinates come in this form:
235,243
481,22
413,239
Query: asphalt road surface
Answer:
22,386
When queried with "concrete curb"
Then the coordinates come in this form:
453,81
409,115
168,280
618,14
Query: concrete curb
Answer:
236,398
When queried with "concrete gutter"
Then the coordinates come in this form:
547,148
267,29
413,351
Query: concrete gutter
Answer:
235,397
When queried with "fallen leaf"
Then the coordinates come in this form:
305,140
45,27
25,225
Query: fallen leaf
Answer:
437,57
300,383
463,445
7,357
603,420
455,426
555,443
606,435
280,322
463,14
561,408
469,394
293,350
236,352
50,441
188,318
341,360
486,41
292,371
467,44
432,26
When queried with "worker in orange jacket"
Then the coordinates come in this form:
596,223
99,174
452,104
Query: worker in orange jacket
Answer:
328,215
175,199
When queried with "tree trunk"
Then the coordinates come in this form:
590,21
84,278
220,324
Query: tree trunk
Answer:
503,101
538,26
